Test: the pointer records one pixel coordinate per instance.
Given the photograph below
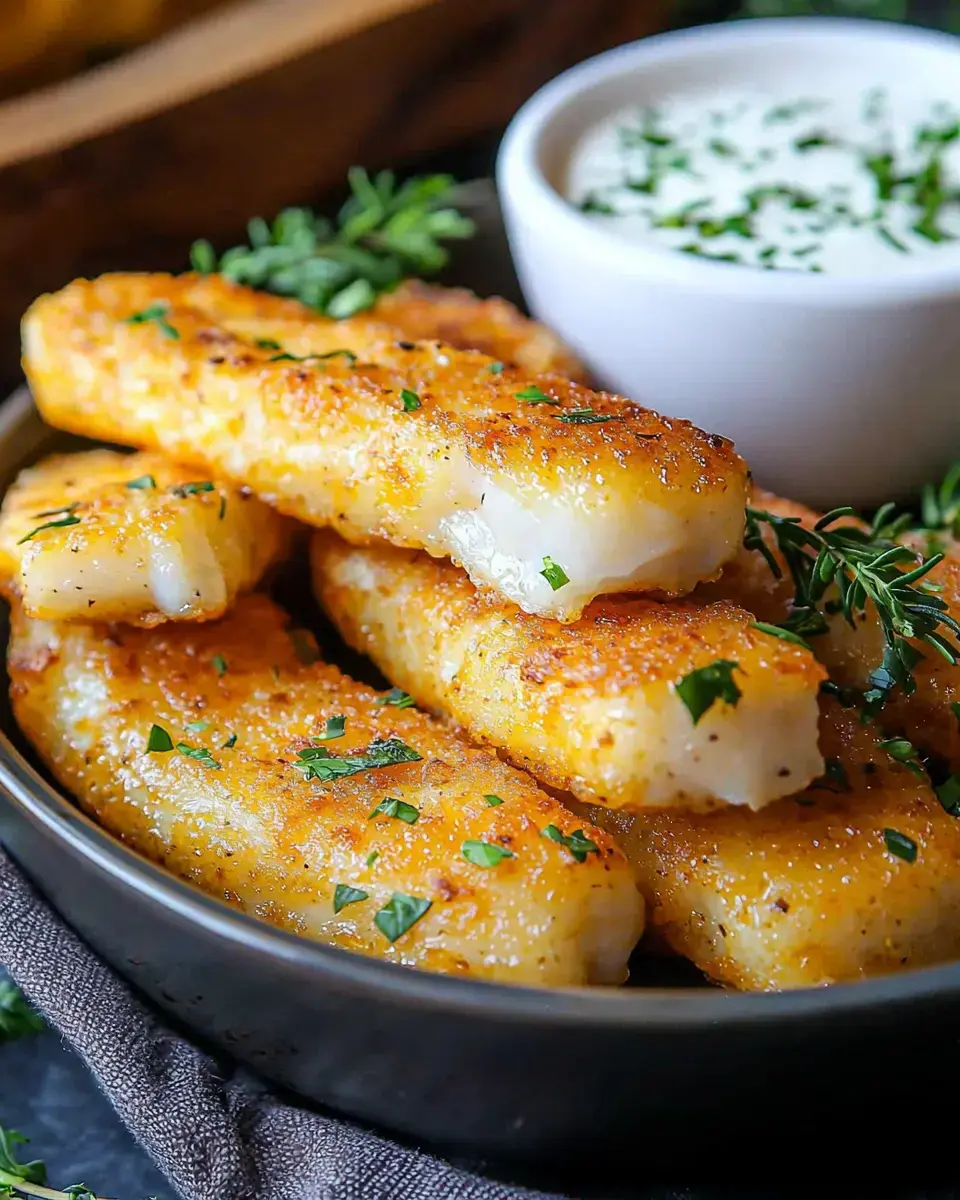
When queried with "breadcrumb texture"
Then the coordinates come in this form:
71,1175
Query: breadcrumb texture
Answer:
805,893
591,706
174,547
417,443
253,831
429,312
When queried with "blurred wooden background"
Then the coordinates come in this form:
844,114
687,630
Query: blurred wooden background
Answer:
249,107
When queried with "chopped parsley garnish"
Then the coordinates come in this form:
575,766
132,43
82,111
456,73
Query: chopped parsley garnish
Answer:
395,698
387,231
554,574
900,845
702,688
61,524
200,753
948,793
495,368
317,762
392,806
141,483
586,416
410,400
230,742
577,842
902,751
192,489
158,740
372,857
196,726
157,314
219,664
344,894
55,512
399,914
349,355
267,344
492,801
335,728
535,395
485,854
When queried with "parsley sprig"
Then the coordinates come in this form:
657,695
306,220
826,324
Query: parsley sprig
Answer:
19,1179
317,762
867,568
384,232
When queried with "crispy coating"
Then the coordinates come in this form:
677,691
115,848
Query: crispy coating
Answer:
429,312
417,443
925,717
141,554
590,707
255,832
805,893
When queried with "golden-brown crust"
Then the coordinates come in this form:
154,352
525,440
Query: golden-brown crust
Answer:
806,892
587,706
255,831
429,312
331,442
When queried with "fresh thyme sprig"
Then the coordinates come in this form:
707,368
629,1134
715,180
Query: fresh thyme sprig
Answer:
866,568
384,232
19,1179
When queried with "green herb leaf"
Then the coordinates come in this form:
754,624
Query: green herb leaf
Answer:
219,664
195,726
835,775
577,842
400,914
492,801
158,740
948,793
411,401
553,573
267,344
785,635
200,753
395,698
586,416
702,688
61,524
902,751
391,806
344,894
495,368
230,742
372,857
335,729
156,313
485,854
203,257
900,845
317,762
142,483
17,1017
385,232
55,512
31,1172
535,395
191,489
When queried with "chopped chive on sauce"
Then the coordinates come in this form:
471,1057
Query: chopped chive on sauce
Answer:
395,698
577,842
63,523
410,400
492,801
554,574
853,181
535,395
219,664
156,314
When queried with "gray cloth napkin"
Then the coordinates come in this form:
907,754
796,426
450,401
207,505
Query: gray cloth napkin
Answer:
215,1132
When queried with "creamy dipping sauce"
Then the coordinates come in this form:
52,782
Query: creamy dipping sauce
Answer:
857,183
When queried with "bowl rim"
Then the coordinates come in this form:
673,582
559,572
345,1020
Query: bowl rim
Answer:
678,1009
523,185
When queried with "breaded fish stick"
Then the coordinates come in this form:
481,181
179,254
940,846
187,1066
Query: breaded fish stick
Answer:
429,312
306,800
132,537
543,490
593,706
816,889
926,716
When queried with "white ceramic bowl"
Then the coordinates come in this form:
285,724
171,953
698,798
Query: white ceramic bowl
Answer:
836,389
